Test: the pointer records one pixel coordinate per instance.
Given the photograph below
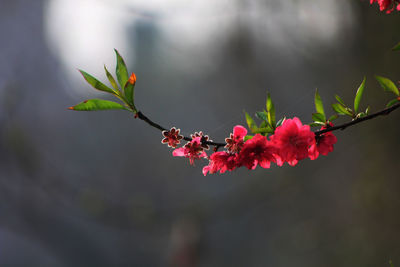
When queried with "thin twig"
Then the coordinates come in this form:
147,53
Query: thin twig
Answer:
343,126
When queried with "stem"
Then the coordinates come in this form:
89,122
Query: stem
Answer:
141,116
343,126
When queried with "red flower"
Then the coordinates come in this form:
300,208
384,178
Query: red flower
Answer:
222,162
257,150
324,144
387,5
172,137
236,140
191,150
203,138
292,140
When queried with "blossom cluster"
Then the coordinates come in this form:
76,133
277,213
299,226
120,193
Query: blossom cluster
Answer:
388,5
291,142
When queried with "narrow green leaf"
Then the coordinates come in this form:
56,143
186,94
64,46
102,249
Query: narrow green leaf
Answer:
359,94
333,117
96,104
96,83
263,124
121,70
315,124
361,114
250,122
340,109
396,47
263,130
279,123
270,111
111,79
367,110
128,92
248,137
319,107
262,115
340,100
318,117
392,102
387,85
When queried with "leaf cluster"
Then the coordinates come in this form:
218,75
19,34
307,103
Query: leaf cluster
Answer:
124,92
268,120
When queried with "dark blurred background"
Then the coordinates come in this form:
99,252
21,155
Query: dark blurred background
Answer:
98,188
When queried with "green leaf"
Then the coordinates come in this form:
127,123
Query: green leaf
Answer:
396,47
340,100
262,115
319,107
121,70
96,83
392,102
111,79
263,130
318,117
248,137
367,110
250,122
270,111
279,123
96,104
387,85
361,114
128,92
314,124
359,94
340,109
333,117
263,124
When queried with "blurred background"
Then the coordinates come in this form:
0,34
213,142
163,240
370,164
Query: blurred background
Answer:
98,188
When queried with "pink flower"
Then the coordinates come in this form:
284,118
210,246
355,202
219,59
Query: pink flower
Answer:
387,5
203,138
236,140
324,144
191,150
222,162
172,137
257,151
292,140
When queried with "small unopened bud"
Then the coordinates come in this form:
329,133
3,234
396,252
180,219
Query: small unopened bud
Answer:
132,79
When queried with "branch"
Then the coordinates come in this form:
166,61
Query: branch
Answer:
217,145
386,111
141,116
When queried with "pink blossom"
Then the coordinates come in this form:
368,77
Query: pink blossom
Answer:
292,140
222,162
235,142
387,5
257,151
203,139
323,145
172,137
191,150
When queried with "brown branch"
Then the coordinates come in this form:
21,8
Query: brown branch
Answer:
343,126
141,116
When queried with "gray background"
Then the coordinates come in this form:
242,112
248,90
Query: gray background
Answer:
98,189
